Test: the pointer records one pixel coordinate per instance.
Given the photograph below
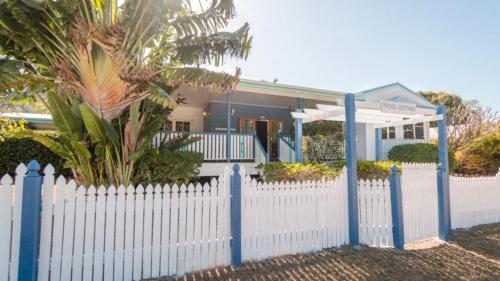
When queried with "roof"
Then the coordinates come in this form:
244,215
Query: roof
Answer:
30,117
422,101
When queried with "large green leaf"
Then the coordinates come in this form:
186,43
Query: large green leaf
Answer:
98,129
81,150
63,118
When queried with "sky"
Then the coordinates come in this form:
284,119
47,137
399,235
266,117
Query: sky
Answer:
354,45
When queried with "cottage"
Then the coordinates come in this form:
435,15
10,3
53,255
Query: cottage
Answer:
262,115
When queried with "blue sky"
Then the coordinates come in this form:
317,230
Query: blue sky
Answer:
354,45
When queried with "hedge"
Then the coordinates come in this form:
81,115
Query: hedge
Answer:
418,153
15,151
277,172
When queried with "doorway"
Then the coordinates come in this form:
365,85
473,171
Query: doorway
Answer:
261,129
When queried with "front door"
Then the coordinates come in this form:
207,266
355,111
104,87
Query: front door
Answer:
261,128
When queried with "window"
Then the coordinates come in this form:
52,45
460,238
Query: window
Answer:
167,126
408,131
414,131
182,126
389,133
247,125
419,131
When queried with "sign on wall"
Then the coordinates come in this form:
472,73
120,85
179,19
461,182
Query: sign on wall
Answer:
398,107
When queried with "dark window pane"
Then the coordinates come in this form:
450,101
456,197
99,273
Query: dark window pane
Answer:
392,132
384,133
408,131
181,126
419,131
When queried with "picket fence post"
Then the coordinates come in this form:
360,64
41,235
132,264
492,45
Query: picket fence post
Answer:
397,210
235,190
30,223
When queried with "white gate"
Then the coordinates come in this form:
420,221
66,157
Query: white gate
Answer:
420,201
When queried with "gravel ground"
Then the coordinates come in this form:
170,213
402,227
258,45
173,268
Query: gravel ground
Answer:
472,255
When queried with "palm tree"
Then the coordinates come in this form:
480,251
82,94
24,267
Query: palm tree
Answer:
108,69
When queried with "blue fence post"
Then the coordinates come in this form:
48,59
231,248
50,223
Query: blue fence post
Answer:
378,144
298,133
235,191
443,177
30,223
352,171
397,210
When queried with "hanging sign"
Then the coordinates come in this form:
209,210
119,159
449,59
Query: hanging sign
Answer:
398,107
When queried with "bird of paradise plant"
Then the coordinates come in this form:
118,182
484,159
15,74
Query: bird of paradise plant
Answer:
108,69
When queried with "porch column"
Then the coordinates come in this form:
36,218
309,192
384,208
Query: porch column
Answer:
228,137
443,177
378,144
352,171
298,132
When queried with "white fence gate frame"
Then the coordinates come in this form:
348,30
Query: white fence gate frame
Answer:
293,217
375,218
420,201
474,200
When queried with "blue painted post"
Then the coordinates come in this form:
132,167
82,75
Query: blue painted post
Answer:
378,144
443,177
228,140
30,224
280,135
298,133
352,171
397,210
235,190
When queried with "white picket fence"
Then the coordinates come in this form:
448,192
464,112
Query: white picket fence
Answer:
420,202
134,233
119,234
474,201
10,223
292,217
375,218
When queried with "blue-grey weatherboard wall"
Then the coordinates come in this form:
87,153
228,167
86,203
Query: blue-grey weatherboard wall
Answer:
216,121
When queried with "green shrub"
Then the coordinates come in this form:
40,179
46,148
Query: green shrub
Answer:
418,153
482,157
375,169
15,151
166,166
277,172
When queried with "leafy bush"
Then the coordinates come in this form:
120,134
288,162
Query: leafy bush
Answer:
167,166
277,172
375,169
15,151
9,127
482,157
418,153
